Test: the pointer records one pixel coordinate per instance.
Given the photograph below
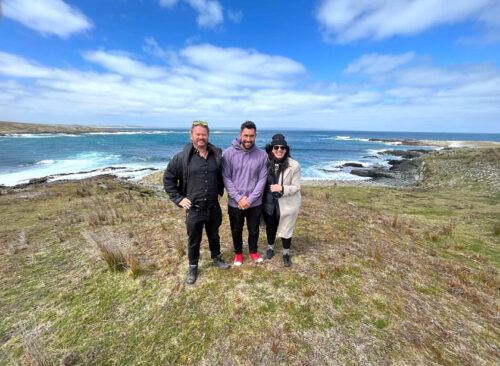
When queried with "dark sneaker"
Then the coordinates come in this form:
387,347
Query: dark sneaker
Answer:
192,275
269,253
219,263
287,261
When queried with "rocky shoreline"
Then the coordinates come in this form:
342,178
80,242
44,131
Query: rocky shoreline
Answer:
109,172
404,170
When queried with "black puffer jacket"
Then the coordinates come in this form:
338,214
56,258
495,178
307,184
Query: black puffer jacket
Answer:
176,175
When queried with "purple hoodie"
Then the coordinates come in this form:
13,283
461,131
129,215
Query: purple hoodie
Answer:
244,173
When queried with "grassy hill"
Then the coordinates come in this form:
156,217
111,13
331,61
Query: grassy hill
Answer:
380,276
18,127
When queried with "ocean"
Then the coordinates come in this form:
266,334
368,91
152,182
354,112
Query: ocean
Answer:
135,153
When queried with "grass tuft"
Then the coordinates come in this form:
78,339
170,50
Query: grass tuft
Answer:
116,258
447,229
496,229
35,352
396,224
132,263
380,323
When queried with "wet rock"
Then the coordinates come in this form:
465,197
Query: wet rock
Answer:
352,165
38,180
403,165
371,173
406,154
329,170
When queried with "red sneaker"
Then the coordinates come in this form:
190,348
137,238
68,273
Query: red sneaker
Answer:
238,260
256,257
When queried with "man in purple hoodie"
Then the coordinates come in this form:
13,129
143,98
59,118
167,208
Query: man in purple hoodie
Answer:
244,170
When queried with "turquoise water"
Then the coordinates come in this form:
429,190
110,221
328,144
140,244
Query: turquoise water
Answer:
24,157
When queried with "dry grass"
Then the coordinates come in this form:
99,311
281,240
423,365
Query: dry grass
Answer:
35,353
114,253
496,229
379,276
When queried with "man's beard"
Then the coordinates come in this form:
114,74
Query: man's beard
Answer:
203,143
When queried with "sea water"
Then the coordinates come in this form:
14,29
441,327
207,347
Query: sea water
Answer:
137,152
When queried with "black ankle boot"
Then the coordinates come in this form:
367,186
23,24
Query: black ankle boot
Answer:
219,263
192,275
287,261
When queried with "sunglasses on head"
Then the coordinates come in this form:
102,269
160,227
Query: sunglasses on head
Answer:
200,123
279,147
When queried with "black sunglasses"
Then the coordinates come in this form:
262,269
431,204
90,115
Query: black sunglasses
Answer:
279,147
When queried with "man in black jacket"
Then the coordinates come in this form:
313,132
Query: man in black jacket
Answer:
193,180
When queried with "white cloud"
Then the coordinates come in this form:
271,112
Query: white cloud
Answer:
168,3
12,65
152,47
209,12
374,64
235,16
227,84
346,21
123,64
47,16
240,61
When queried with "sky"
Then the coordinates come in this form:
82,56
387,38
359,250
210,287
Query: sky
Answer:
370,65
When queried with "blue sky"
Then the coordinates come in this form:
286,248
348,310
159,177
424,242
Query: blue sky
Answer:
392,65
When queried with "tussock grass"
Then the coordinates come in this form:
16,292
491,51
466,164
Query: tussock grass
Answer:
109,250
117,257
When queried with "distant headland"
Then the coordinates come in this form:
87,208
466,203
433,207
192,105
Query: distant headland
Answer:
7,128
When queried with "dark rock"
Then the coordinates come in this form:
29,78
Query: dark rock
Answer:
142,169
406,154
371,173
394,162
329,170
38,180
91,171
404,165
353,165
407,142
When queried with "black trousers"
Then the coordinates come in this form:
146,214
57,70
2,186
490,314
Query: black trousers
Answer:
272,222
196,219
237,220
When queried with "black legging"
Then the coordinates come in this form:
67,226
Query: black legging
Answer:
272,222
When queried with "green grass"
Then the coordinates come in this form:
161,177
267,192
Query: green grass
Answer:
380,276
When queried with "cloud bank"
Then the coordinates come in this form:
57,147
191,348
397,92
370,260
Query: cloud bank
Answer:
228,85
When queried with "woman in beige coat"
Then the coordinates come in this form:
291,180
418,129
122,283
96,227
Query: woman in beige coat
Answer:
282,196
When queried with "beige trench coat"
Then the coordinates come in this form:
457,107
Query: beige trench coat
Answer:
289,203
